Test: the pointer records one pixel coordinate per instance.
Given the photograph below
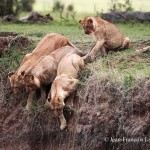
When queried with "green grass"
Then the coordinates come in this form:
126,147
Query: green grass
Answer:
37,31
72,30
121,67
136,31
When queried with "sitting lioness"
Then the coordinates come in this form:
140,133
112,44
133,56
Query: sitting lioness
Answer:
44,71
64,84
108,36
48,44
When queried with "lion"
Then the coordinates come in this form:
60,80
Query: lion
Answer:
64,84
47,45
108,37
43,72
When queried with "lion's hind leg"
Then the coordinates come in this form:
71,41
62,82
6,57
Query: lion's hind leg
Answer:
126,43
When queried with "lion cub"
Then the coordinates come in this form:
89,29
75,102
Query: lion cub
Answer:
108,36
64,84
47,45
44,71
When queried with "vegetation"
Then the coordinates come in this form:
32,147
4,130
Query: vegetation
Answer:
14,7
109,101
90,7
126,5
123,66
64,13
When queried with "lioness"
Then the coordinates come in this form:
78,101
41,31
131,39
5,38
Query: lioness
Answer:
108,36
48,44
44,71
64,84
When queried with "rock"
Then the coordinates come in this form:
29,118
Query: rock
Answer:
9,18
36,17
5,34
116,17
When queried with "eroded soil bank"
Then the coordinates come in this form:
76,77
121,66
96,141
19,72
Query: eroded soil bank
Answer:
105,116
103,112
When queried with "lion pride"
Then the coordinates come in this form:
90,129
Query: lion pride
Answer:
48,44
43,72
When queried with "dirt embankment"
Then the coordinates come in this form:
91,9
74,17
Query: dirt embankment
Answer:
102,112
10,39
106,116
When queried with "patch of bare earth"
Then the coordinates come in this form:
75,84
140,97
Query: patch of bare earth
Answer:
140,44
10,39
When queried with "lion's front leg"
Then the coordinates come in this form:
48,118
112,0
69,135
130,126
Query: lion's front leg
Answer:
63,123
29,101
91,55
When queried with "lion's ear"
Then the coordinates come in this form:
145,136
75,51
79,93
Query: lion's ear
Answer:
81,22
10,74
23,73
90,20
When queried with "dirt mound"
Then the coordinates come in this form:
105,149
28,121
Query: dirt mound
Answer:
5,34
102,112
10,39
108,112
33,17
36,17
9,18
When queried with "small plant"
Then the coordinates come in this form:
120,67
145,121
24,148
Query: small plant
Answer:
83,75
58,7
129,81
70,12
61,9
123,65
119,6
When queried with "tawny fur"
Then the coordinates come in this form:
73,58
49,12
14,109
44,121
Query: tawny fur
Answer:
64,84
108,36
44,71
47,45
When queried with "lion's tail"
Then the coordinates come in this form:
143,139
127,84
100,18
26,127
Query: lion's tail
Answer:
80,53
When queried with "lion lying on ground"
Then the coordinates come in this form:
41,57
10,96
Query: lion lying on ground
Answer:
108,36
64,84
43,72
48,44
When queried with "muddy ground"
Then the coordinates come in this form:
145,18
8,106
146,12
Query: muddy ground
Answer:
105,117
